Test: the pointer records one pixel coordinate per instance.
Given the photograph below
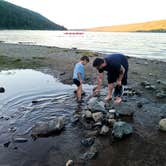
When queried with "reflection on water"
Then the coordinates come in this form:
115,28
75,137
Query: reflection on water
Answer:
30,97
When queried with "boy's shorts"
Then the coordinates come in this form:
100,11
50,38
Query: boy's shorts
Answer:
76,82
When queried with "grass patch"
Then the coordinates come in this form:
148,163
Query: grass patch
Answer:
15,63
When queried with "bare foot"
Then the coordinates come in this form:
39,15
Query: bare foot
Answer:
108,98
117,100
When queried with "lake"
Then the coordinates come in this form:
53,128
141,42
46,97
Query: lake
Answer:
142,45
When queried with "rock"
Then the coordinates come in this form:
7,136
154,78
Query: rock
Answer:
126,112
139,105
161,82
6,144
63,73
160,95
145,83
111,121
75,119
12,129
45,128
104,130
121,129
88,114
70,163
90,154
95,105
2,90
87,141
110,115
20,140
97,116
97,124
162,124
91,133
112,111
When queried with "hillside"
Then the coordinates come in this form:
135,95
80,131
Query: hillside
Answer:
152,26
15,17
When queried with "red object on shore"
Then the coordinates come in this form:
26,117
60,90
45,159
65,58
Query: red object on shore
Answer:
74,33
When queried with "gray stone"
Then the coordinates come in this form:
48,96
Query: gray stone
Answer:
160,95
97,116
111,121
46,128
145,83
87,141
162,124
88,114
126,112
104,130
95,105
121,129
90,154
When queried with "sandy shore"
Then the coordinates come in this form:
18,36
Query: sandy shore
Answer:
60,62
147,79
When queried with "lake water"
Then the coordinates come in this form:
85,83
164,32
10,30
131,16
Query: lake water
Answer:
142,45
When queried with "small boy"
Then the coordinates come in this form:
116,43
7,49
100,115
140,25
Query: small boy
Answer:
78,75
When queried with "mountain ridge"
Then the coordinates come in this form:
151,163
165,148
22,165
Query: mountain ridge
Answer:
16,17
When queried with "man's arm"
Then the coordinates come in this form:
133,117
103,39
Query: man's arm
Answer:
122,71
79,77
99,81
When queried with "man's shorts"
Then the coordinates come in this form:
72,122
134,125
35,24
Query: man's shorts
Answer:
76,82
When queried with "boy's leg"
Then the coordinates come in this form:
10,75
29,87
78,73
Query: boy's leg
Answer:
79,92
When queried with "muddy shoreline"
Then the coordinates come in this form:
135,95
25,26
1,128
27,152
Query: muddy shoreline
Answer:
146,78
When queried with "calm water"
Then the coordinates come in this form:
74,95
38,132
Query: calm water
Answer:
147,45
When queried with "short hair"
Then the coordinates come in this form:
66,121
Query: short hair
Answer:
84,58
97,62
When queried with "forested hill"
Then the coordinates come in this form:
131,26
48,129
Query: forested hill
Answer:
15,17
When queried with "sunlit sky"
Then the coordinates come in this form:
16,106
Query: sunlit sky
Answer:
75,14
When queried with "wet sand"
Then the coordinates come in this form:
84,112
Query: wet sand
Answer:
147,144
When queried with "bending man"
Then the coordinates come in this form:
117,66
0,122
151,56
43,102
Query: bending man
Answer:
116,66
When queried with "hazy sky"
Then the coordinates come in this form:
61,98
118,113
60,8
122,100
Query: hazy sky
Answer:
94,13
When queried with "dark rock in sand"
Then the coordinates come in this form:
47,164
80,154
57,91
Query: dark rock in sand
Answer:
125,109
6,144
2,90
90,154
87,141
139,105
145,83
46,128
121,129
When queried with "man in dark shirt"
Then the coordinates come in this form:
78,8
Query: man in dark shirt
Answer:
116,66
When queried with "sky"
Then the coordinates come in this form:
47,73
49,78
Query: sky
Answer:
78,14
